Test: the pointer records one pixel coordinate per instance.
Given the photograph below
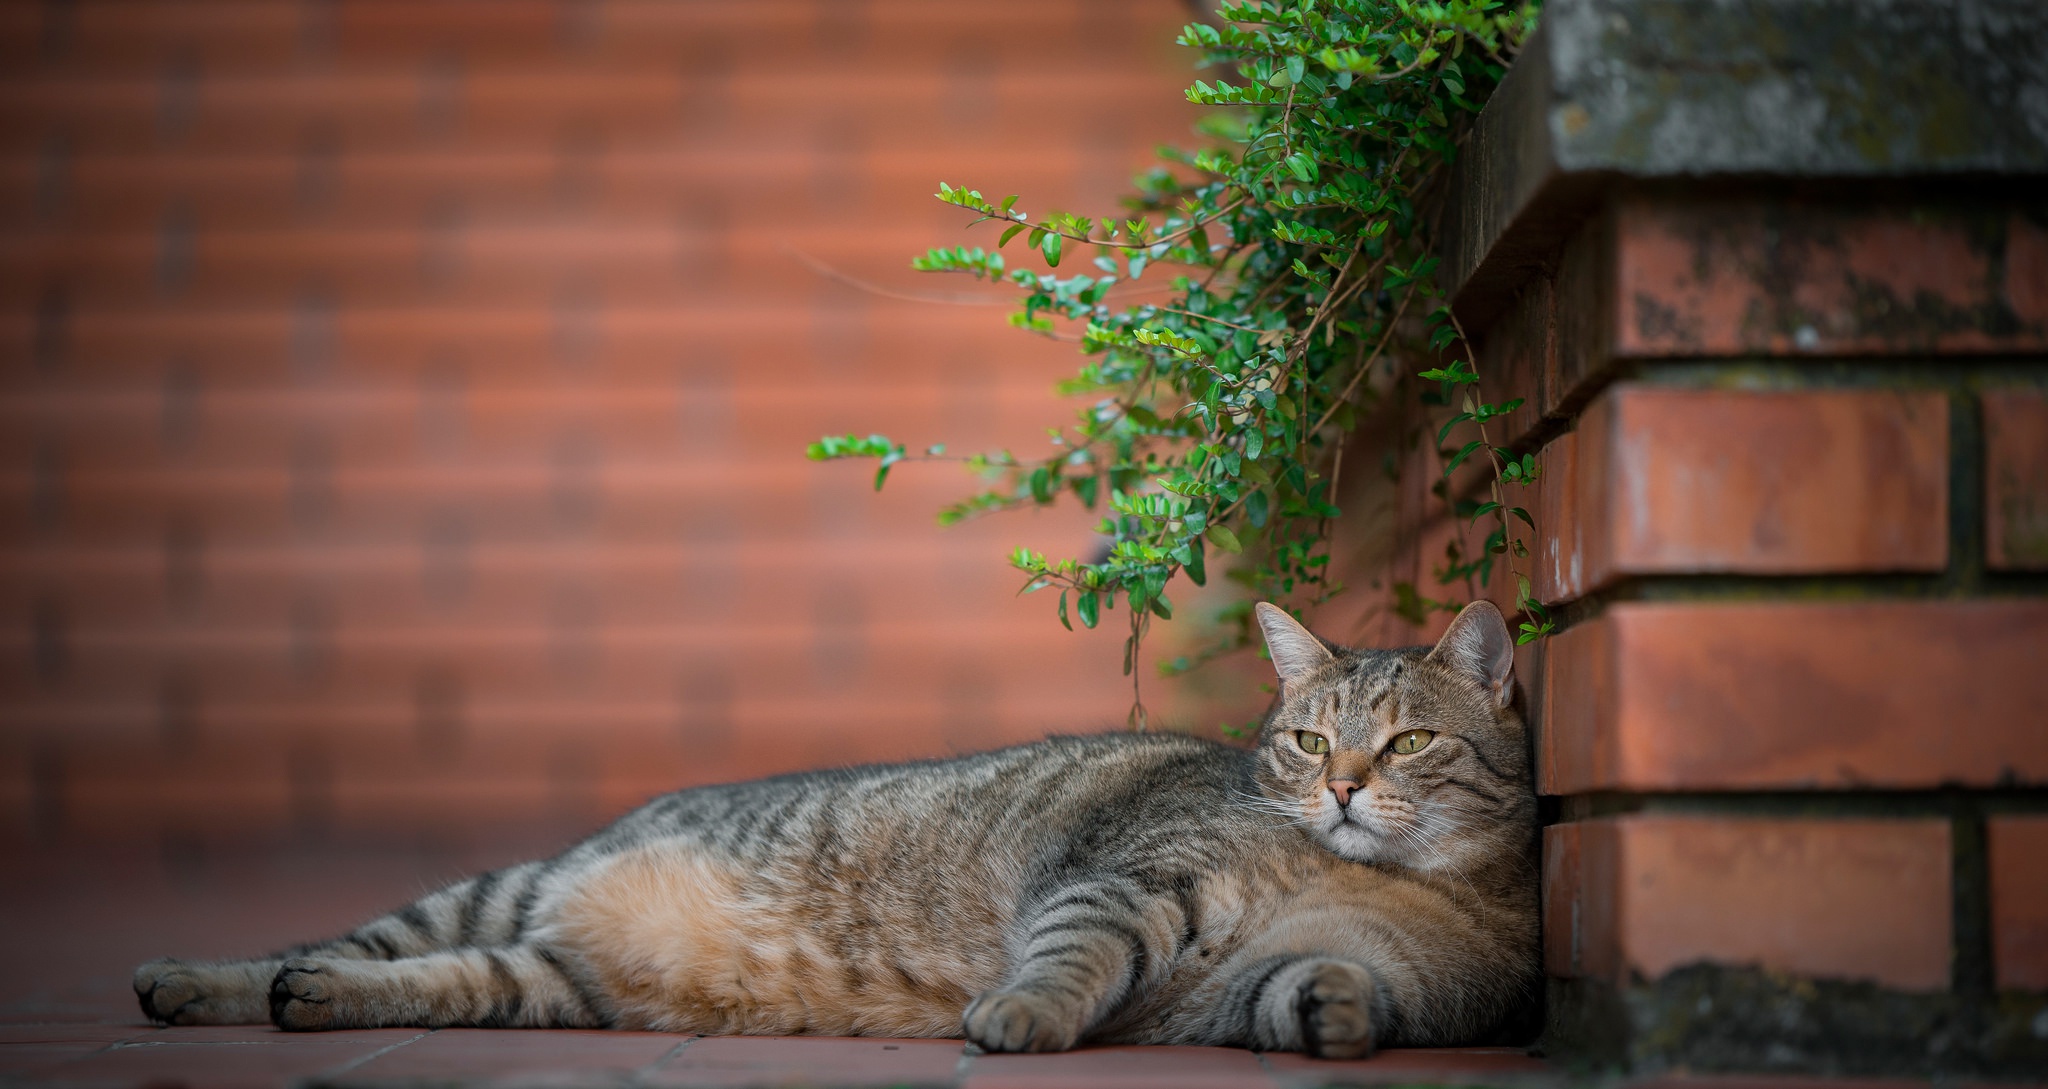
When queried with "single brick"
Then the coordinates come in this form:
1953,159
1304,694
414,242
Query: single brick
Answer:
1740,276
2019,900
1795,695
1659,481
2016,479
1838,899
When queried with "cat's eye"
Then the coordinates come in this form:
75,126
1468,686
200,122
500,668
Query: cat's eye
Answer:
1312,743
1412,741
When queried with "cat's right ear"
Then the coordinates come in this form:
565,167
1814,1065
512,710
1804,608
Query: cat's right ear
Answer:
1296,653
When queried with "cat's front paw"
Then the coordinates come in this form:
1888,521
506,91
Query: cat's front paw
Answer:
302,995
170,992
1334,1007
1020,1021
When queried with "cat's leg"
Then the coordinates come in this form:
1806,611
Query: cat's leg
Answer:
523,986
488,909
1327,1006
1076,952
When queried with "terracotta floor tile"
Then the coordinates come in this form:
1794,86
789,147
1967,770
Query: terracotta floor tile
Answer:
68,1032
268,1034
31,1061
212,1065
493,1057
1776,1081
778,1061
1404,1066
1122,1068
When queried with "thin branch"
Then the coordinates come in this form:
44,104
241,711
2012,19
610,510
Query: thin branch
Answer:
1366,367
872,288
1205,317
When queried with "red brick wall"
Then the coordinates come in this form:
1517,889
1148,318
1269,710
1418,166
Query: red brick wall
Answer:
403,403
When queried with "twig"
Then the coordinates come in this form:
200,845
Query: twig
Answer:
872,288
1365,367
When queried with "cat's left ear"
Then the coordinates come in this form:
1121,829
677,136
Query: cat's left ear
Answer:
1296,653
1478,646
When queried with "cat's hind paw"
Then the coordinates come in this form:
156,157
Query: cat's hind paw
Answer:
170,992
301,996
1334,1006
173,992
1019,1021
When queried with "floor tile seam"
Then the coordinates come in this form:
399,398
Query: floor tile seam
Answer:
1274,1078
104,1049
641,1075
344,1067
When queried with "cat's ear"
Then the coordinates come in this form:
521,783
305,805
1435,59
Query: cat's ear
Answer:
1296,653
1477,645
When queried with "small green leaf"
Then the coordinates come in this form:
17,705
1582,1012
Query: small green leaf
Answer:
1222,538
1064,622
1458,458
1090,608
1050,246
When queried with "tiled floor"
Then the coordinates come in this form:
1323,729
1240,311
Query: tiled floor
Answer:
110,1055
101,1055
72,926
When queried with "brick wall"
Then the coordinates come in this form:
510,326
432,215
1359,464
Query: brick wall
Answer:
1793,522
403,403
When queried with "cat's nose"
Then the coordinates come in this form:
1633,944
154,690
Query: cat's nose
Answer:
1342,788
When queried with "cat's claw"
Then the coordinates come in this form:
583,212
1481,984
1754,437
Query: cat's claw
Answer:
1334,1005
1019,1021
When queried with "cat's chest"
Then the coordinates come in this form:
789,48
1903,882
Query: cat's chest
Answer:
1234,903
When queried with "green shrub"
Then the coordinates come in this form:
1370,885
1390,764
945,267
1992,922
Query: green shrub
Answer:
1300,255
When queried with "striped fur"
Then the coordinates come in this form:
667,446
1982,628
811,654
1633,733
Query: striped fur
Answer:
1106,889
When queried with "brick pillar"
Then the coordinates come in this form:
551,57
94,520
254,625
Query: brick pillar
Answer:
1773,279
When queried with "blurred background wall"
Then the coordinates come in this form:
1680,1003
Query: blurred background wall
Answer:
404,400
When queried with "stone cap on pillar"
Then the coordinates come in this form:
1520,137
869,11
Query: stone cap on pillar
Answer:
1607,90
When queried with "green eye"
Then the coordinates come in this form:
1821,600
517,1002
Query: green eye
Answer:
1313,744
1412,741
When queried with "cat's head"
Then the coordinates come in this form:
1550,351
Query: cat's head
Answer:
1413,757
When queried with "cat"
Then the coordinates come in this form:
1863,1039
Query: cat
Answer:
1363,877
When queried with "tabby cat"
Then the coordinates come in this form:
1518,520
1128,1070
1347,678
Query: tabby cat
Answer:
1360,878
